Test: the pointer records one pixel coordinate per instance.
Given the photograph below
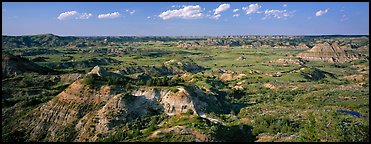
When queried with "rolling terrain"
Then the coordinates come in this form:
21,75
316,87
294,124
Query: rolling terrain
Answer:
217,89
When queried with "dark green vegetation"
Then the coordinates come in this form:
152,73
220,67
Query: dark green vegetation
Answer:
259,98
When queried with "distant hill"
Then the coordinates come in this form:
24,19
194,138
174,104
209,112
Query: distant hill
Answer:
42,40
51,40
13,65
327,52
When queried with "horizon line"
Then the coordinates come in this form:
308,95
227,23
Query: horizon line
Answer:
190,35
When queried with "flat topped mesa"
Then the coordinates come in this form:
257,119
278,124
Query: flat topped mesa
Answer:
99,71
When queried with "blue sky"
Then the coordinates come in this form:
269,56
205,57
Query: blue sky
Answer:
185,18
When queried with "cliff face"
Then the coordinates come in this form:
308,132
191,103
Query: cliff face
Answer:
50,120
327,53
85,113
173,102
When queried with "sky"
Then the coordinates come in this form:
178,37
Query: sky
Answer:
185,18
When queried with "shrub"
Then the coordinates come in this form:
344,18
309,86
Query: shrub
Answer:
90,78
174,89
189,112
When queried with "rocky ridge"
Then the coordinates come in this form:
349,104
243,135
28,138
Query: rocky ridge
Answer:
327,52
13,65
86,111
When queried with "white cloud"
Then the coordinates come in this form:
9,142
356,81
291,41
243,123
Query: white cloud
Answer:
285,5
216,17
131,12
187,12
68,14
236,15
73,14
253,8
148,17
221,8
236,10
109,15
321,12
278,14
84,16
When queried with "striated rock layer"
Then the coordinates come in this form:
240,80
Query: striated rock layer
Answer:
84,113
327,53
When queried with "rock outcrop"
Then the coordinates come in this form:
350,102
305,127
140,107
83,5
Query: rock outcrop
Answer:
286,62
84,113
173,102
302,46
99,71
241,58
327,53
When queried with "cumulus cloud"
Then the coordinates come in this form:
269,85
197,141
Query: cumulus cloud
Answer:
285,5
321,12
221,8
68,14
109,15
236,15
278,14
73,15
187,12
253,8
236,10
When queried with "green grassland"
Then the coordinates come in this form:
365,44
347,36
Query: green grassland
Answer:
298,108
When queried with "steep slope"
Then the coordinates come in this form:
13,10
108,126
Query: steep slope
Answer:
327,53
83,112
173,102
49,120
314,74
13,65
